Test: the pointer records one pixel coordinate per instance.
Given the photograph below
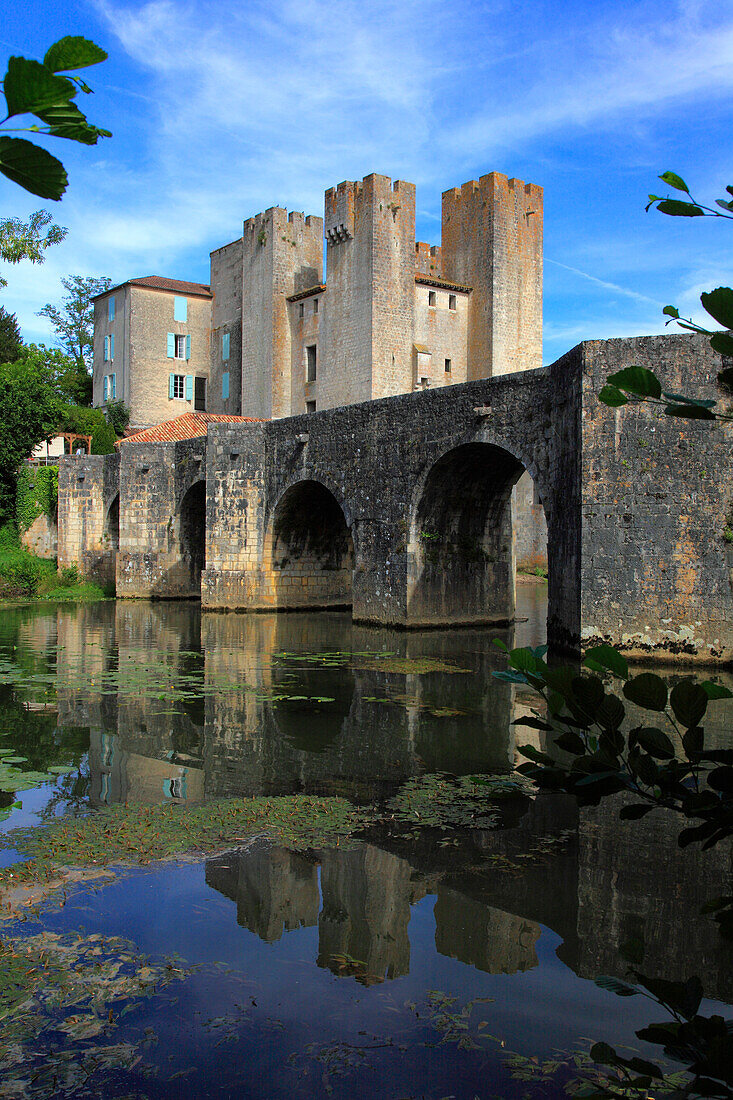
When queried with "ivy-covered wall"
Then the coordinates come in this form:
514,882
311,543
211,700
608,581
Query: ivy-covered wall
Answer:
36,509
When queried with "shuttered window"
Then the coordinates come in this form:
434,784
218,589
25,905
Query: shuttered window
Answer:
225,385
180,310
225,345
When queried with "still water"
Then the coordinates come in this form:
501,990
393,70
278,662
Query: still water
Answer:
414,963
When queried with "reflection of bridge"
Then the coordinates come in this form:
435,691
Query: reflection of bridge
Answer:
400,508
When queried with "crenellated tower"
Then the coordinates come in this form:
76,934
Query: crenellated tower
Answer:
368,311
492,241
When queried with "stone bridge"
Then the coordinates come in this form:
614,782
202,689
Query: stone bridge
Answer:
400,508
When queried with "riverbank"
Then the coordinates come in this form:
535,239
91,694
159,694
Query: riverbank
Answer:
26,578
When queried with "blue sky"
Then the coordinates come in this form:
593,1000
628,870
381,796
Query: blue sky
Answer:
221,108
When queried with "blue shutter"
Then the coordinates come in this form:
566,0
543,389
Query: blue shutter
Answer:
171,346
110,309
188,347
189,387
114,386
180,310
111,347
225,385
105,388
106,348
225,346
170,385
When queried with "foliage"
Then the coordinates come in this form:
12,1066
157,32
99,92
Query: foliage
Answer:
70,382
73,323
453,802
84,421
36,88
79,987
21,240
11,342
23,574
636,383
118,415
669,767
28,414
37,495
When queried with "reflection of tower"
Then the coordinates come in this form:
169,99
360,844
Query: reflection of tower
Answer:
366,909
275,890
487,938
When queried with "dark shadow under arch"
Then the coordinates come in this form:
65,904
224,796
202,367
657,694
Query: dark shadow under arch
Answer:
462,551
112,524
192,521
311,549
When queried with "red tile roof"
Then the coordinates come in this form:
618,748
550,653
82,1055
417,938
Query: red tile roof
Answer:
159,282
191,425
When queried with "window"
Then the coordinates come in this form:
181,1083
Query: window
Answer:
109,388
447,366
106,349
105,388
301,309
199,394
315,305
451,301
225,386
432,298
113,386
176,386
311,369
111,347
180,310
225,345
310,406
424,383
178,347
110,309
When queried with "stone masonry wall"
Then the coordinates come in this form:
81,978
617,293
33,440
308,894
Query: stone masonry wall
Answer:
226,318
656,565
153,559
88,485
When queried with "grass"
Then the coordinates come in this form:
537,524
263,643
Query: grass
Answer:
25,576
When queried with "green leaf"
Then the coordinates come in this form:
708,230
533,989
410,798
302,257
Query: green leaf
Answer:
68,121
610,713
725,377
719,304
673,180
671,311
30,87
684,399
605,656
612,396
726,204
73,52
32,168
615,985
604,1054
637,380
716,691
647,690
689,702
655,742
677,209
689,412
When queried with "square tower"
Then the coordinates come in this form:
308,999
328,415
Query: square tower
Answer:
492,241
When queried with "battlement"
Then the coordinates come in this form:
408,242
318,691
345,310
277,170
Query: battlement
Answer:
345,202
278,218
493,186
428,259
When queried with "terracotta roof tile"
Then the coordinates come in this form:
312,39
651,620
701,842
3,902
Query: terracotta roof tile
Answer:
188,426
445,284
159,282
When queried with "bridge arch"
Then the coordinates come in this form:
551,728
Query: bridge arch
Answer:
112,524
461,553
309,549
192,534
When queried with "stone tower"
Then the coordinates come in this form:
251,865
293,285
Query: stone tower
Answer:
367,327
492,241
281,255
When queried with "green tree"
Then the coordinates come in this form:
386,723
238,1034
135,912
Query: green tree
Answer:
11,341
71,384
21,240
118,415
93,422
29,412
73,322
37,89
